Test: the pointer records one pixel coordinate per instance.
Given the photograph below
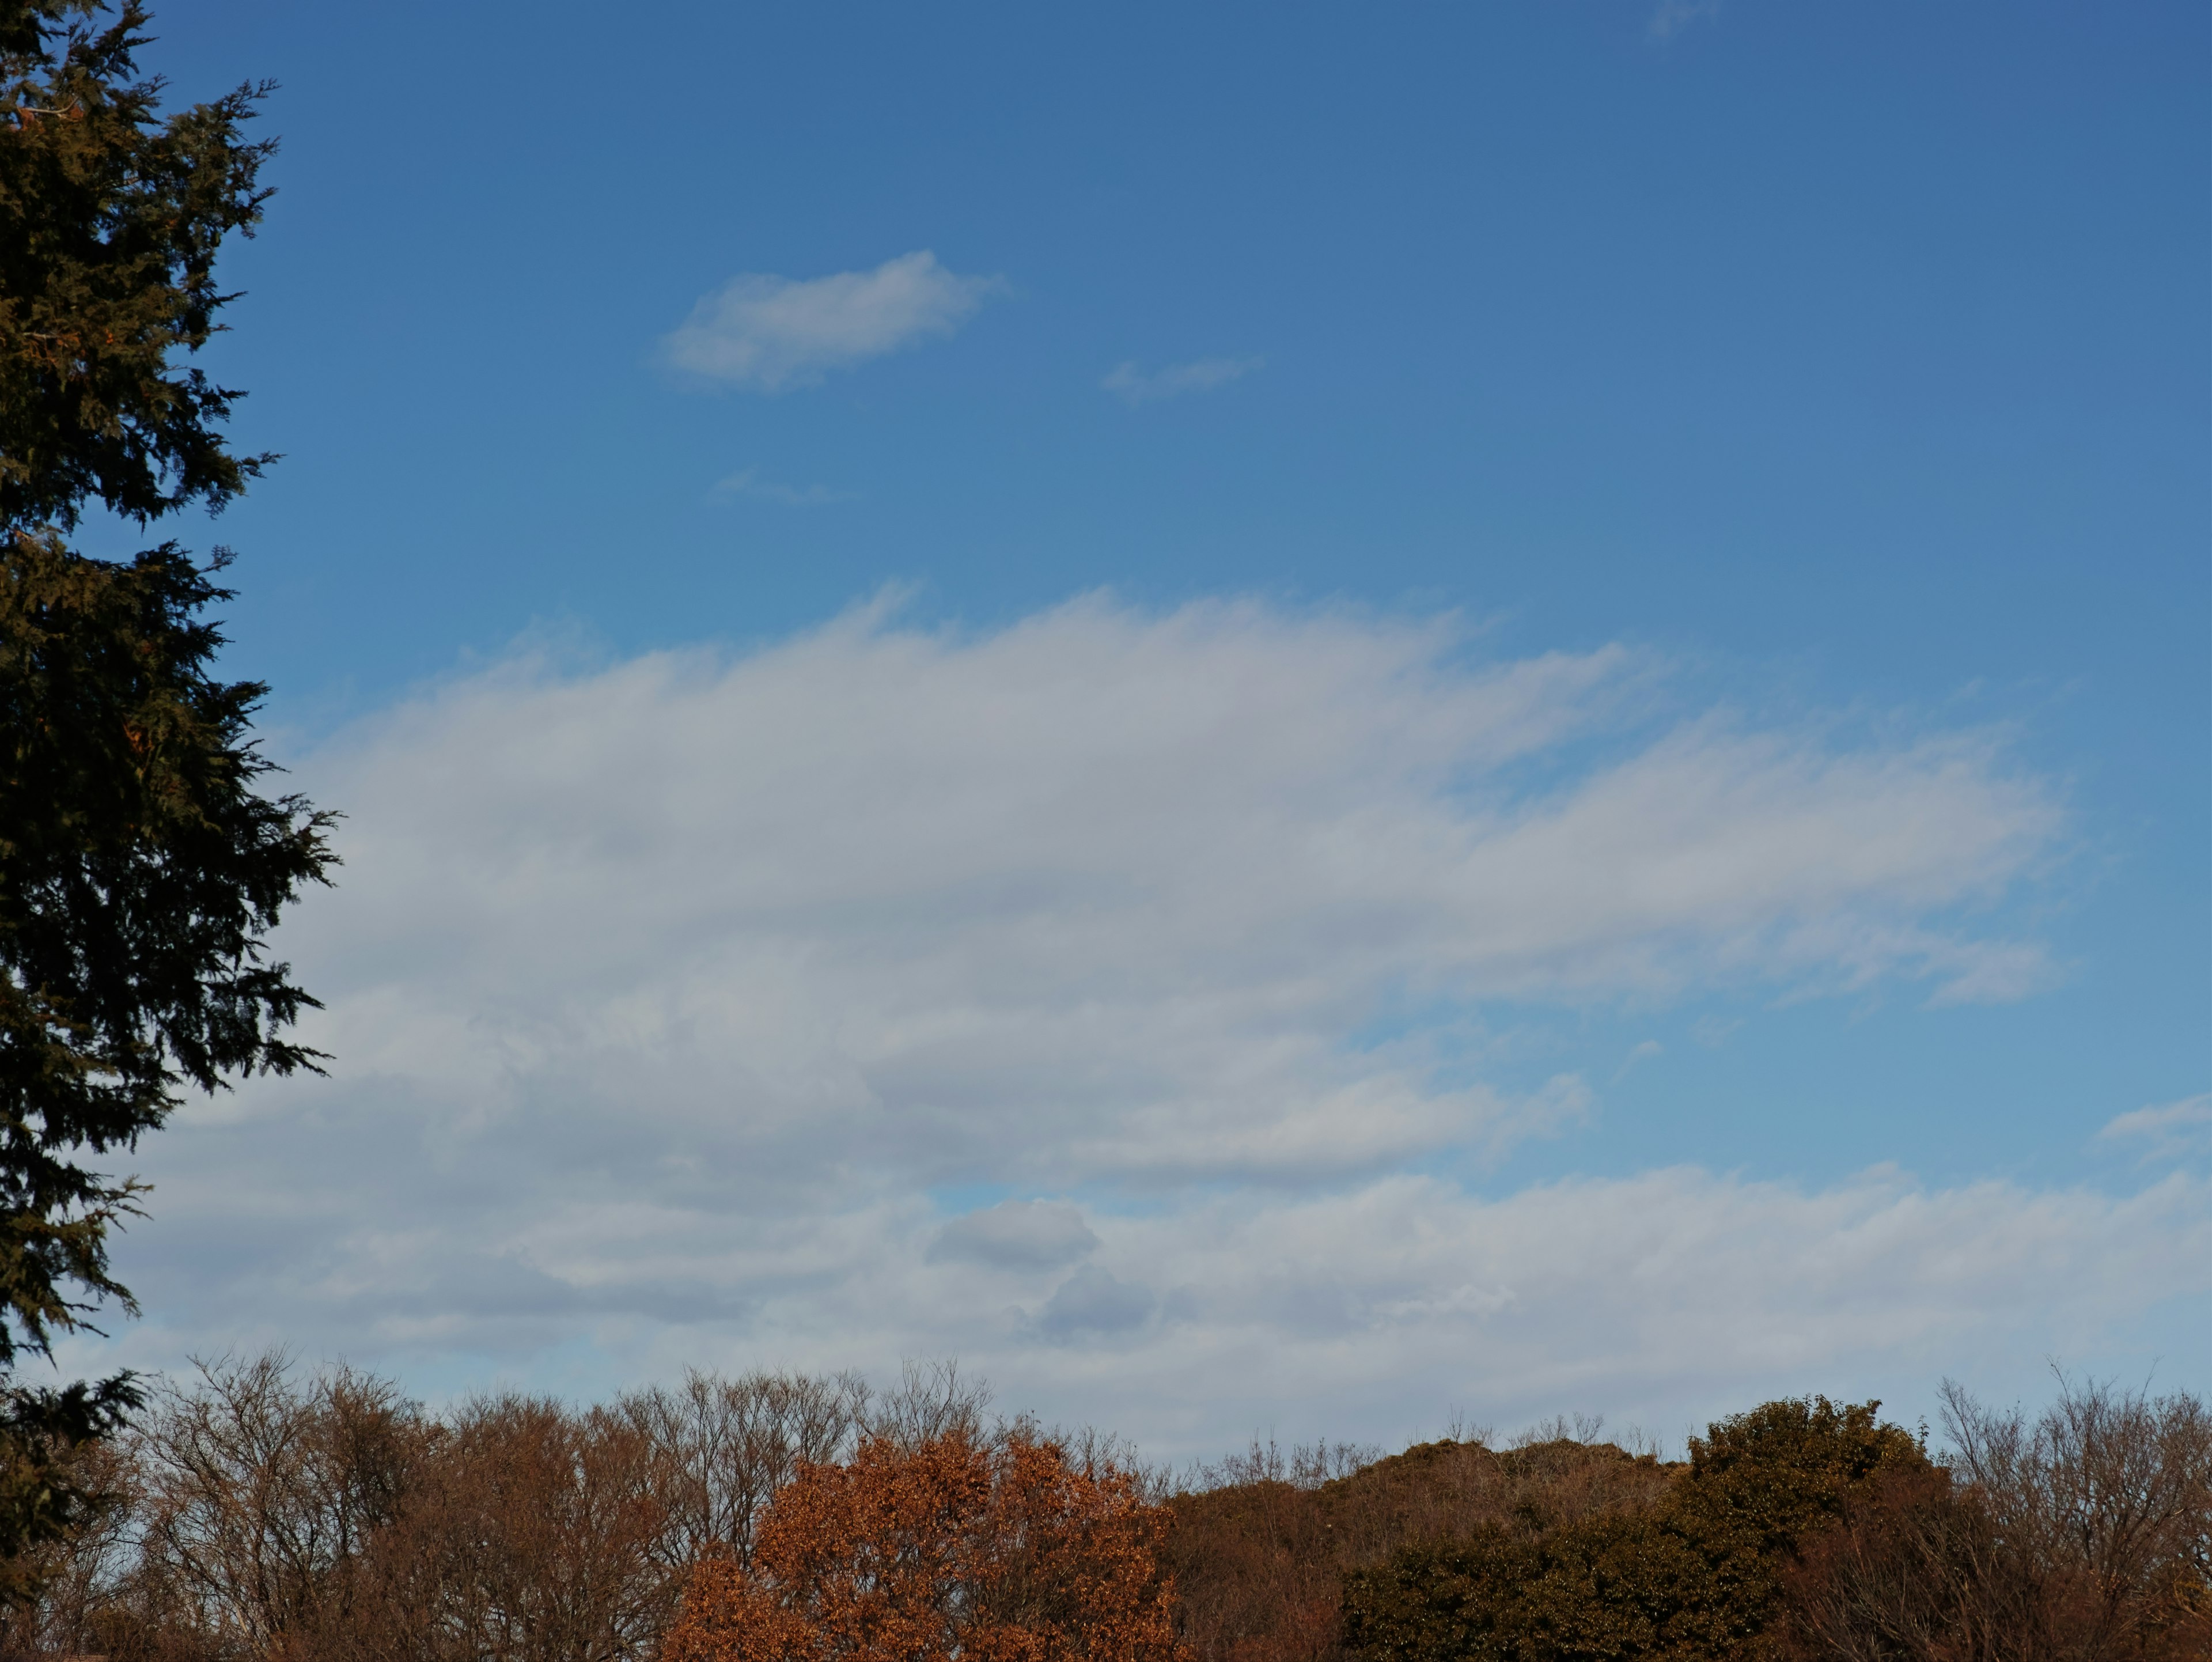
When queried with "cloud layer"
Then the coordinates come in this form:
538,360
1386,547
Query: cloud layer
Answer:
1090,999
767,333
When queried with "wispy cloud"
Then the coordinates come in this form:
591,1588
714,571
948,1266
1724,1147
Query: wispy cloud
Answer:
1673,16
747,482
767,333
1128,383
1644,1052
2173,1130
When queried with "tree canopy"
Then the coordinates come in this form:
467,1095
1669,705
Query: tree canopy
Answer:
1001,1550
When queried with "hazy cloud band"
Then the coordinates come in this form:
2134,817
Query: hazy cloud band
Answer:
900,989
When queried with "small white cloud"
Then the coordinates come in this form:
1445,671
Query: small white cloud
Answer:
1016,1235
766,333
747,482
1673,16
2172,1131
1131,386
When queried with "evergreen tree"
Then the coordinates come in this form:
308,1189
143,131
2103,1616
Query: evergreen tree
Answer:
140,869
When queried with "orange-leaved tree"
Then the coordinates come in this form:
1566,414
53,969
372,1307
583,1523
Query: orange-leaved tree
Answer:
1003,1549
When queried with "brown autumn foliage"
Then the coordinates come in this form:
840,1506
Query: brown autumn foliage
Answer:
998,1549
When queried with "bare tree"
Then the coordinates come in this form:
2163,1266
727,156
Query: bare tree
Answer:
730,1444
2104,1504
931,1402
2081,1535
533,1536
260,1513
254,1495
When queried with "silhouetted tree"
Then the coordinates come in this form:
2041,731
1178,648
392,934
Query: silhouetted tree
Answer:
140,867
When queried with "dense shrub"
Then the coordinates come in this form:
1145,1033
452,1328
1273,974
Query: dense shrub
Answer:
1262,1543
1696,1573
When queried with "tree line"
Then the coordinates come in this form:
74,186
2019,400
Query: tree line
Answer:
265,1513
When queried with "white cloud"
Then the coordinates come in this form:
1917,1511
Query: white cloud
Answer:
769,333
1622,1295
1126,382
683,1008
2173,1130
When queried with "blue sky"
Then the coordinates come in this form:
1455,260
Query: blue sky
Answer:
1820,392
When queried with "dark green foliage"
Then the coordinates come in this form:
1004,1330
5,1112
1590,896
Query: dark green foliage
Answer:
1450,1599
1698,1574
110,222
140,868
